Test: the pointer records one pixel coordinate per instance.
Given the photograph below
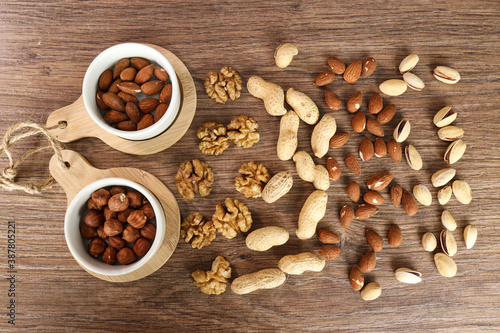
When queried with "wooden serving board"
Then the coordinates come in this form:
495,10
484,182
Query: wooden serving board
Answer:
80,173
80,125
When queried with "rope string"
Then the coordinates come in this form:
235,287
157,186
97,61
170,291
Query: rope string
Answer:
8,175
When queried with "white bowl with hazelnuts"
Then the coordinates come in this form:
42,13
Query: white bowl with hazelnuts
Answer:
114,226
131,90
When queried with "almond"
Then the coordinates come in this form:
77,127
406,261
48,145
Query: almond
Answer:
127,125
353,71
327,237
380,181
366,150
367,262
369,66
113,88
160,73
333,168
380,147
146,121
353,191
152,87
346,215
374,127
374,240
106,79
337,66
128,74
324,78
139,63
114,117
394,149
144,74
354,102
359,122
332,100
339,139
161,109
120,66
166,93
375,105
395,237
99,102
129,87
356,278
127,98
409,203
352,164
113,102
365,211
373,198
387,114
148,105
329,252
133,112
396,194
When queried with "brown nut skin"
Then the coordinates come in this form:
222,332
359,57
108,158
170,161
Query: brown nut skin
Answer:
142,246
91,204
148,211
126,256
94,219
356,278
109,255
134,198
131,234
96,247
113,227
122,216
329,252
87,231
116,242
137,219
117,190
101,233
109,214
328,237
148,231
118,202
101,197
367,262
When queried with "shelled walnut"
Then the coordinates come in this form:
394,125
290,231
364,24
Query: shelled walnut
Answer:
220,86
213,282
200,231
242,131
213,138
194,177
253,178
233,219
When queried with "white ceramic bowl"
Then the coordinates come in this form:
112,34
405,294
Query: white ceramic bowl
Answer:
106,60
78,245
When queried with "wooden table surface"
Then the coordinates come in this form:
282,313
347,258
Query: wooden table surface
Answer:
46,47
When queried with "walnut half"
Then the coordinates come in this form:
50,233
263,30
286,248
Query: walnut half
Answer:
233,219
220,86
252,179
213,138
201,232
243,131
194,177
213,282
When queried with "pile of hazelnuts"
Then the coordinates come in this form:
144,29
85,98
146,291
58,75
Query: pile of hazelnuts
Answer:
119,225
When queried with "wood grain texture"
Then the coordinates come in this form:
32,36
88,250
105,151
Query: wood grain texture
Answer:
46,48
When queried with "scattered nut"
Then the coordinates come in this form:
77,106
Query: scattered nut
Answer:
353,191
356,278
354,102
278,186
213,138
448,243
429,242
223,85
374,240
455,151
329,252
408,63
413,81
213,282
200,231
442,177
303,105
233,219
346,215
337,66
396,195
402,131
367,262
299,263
270,93
332,100
462,191
422,194
324,78
327,237
451,133
407,275
242,131
352,164
470,236
445,265
393,87
446,74
253,177
321,135
264,279
264,238
448,221
371,291
395,237
284,54
444,195
444,117
312,212
193,177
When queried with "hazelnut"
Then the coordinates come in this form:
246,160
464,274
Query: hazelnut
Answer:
91,204
109,255
118,202
134,198
137,219
109,214
113,227
122,216
101,196
117,190
94,219
101,233
130,234
145,201
87,231
148,231
148,211
116,242
97,247
125,256
142,246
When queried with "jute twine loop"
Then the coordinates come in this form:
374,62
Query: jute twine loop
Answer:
8,175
